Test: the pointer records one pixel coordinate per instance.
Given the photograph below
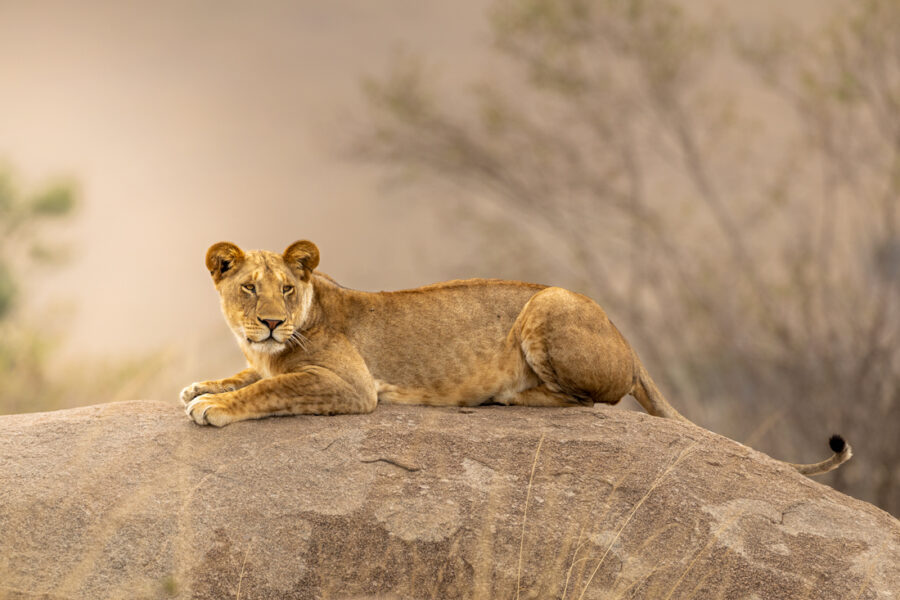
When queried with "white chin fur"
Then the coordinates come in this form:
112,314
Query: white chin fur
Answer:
267,347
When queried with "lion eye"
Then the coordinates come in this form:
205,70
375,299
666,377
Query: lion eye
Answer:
287,289
249,287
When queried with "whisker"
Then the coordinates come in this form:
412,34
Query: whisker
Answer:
299,340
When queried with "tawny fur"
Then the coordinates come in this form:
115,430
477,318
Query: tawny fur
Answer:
315,347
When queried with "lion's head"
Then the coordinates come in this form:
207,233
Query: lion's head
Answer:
266,297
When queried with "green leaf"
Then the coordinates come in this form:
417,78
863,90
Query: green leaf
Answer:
7,193
7,291
56,201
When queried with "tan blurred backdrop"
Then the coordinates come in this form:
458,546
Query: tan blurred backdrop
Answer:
190,122
186,123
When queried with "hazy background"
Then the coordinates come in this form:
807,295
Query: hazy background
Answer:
179,124
185,123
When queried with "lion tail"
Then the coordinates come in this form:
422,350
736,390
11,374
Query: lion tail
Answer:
842,453
649,396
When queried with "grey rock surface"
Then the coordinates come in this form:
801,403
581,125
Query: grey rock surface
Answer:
131,500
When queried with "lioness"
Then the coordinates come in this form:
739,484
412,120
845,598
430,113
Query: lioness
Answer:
315,347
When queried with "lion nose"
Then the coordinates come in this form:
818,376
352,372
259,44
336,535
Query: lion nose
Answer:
272,323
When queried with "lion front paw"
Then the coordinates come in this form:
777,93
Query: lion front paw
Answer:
200,388
191,392
206,409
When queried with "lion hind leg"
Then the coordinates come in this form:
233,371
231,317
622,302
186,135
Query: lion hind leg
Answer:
573,348
543,396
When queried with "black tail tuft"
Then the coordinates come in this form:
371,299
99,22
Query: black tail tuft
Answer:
837,444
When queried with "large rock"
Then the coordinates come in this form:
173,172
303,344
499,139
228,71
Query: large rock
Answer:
131,500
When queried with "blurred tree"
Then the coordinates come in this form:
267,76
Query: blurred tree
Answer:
756,273
31,377
24,348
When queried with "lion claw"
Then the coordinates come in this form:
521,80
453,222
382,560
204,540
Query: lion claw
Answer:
198,410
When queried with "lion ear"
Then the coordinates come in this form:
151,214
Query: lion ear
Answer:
222,258
302,255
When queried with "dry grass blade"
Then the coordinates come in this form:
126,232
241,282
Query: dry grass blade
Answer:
656,482
700,553
243,564
525,515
